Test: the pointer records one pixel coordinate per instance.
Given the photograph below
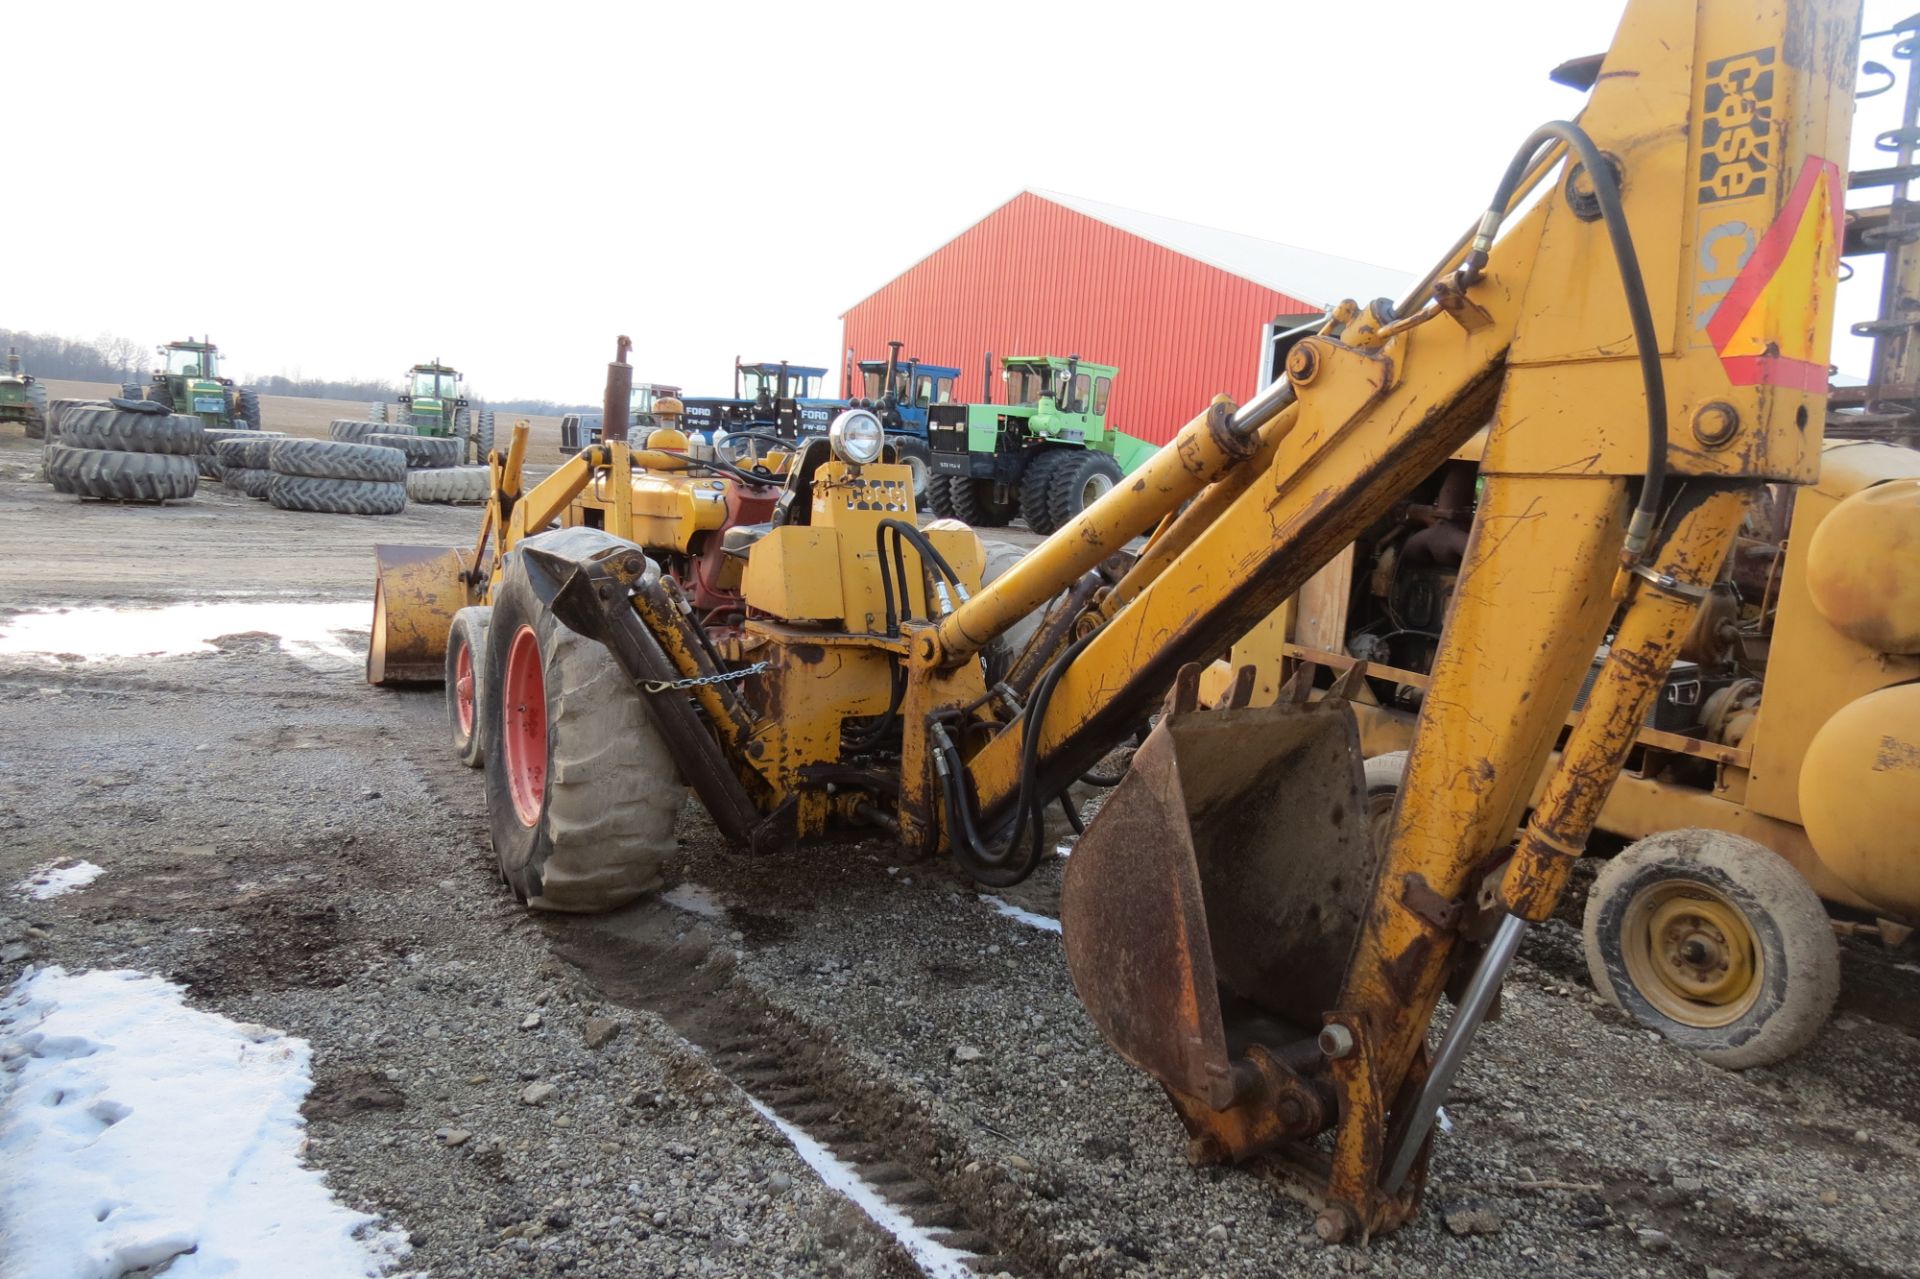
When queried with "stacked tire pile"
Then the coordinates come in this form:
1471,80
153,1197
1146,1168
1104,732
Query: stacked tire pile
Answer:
335,476
211,465
242,459
433,472
125,451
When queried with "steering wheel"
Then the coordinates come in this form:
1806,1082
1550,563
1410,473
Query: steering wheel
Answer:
757,444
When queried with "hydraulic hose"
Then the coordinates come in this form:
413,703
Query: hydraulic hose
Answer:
998,867
1606,191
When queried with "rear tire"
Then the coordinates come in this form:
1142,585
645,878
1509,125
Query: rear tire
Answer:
36,423
482,436
582,790
1716,942
466,684
249,406
1081,478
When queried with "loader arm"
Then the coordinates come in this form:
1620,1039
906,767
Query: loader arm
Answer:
1725,125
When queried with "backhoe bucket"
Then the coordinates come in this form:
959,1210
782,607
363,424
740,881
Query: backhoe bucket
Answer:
1214,901
416,592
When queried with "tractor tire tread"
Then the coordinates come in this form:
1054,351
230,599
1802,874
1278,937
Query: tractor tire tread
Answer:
118,431
338,460
335,496
122,476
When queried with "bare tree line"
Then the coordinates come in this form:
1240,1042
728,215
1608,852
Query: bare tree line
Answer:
111,358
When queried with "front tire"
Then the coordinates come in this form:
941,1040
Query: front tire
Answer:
466,683
1716,942
582,789
974,504
1036,488
917,458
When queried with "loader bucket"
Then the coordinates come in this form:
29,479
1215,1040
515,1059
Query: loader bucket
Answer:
416,592
1215,899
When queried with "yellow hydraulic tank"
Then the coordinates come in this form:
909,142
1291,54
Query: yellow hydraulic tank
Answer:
1860,796
1863,567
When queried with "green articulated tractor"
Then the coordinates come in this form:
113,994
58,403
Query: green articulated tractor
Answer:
435,403
188,381
1045,454
23,397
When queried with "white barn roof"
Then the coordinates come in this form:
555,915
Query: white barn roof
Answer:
1317,278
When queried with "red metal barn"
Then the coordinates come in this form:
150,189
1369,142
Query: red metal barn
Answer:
1178,308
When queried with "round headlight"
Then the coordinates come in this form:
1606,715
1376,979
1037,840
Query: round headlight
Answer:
857,437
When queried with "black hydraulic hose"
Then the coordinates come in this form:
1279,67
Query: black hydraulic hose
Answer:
994,866
886,581
924,545
1606,192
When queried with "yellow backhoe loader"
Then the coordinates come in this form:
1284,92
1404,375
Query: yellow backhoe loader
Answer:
1230,924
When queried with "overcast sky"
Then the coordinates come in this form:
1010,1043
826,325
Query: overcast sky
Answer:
341,190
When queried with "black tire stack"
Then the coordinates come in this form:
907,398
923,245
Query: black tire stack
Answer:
211,465
242,459
58,409
423,452
353,431
122,454
337,477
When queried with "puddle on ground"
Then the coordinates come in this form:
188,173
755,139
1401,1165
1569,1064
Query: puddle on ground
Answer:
304,629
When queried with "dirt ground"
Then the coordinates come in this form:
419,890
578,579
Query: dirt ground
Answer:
535,1095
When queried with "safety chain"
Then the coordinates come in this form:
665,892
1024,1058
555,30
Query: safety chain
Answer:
664,685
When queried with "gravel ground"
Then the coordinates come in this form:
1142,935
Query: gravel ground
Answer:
530,1096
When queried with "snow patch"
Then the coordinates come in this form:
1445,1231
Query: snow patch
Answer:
306,630
138,1132
53,879
934,1259
696,899
1045,923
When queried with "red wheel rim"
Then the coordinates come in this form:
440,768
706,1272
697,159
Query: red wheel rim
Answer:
524,726
463,689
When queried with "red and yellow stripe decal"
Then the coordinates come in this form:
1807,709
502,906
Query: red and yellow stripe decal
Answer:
1775,325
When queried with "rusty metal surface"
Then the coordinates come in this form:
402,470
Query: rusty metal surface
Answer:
416,592
1135,929
1274,803
1234,852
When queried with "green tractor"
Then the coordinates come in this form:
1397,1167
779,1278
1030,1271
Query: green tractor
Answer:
1044,455
189,381
435,403
23,398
